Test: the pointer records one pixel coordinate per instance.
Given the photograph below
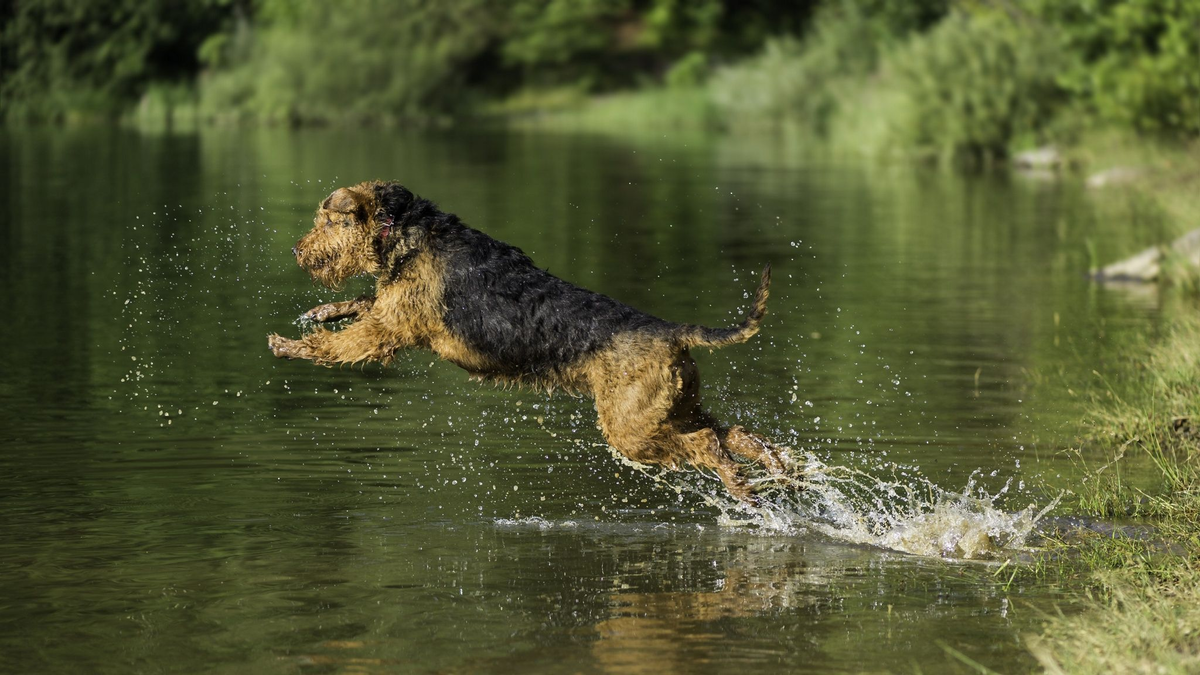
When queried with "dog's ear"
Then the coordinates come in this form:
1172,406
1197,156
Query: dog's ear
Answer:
393,199
345,200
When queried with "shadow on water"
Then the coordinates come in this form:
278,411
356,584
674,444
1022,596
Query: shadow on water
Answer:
176,499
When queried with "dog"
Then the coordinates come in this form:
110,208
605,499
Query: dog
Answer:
484,306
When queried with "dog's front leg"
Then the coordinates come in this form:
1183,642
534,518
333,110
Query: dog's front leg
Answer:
361,341
333,311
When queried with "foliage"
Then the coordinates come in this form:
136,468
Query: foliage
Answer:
1137,62
976,83
794,82
362,60
419,58
689,71
968,82
807,83
300,61
96,56
600,44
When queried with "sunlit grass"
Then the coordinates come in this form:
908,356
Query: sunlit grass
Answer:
1139,624
1151,427
1143,609
676,109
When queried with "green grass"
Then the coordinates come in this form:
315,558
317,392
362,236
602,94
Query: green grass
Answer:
676,109
1143,608
1169,168
1148,425
1137,624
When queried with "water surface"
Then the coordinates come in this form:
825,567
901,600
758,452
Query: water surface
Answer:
175,499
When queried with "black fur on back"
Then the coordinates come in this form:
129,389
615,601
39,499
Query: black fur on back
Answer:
504,306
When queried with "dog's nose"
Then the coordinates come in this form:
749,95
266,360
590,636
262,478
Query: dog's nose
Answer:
295,252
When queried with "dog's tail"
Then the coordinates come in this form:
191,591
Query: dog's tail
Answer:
701,336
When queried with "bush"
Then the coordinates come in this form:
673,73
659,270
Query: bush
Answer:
690,71
806,83
365,60
976,83
1137,61
793,82
79,59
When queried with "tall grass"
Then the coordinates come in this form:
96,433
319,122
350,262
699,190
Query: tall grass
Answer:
1150,430
1138,625
1143,613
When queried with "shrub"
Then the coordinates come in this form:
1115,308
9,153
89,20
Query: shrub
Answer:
807,82
64,59
364,60
1137,61
794,82
974,84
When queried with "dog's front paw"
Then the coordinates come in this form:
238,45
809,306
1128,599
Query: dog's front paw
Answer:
283,347
323,313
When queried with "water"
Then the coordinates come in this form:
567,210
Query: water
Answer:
175,499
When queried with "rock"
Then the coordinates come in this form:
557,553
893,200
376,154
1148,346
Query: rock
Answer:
1145,266
1187,247
1121,175
1047,157
1141,267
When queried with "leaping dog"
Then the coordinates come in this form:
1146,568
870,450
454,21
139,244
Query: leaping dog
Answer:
484,306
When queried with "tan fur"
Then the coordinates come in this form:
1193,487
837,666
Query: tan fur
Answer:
646,388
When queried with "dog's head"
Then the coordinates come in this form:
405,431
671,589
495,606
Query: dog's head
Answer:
356,231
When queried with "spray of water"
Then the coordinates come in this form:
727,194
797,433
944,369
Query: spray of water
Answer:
893,508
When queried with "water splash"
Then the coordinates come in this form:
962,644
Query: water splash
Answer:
903,512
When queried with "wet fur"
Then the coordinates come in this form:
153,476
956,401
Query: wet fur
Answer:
484,306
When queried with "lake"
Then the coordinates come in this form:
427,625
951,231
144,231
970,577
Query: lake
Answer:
176,499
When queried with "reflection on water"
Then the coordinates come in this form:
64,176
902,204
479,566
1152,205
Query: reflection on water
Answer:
175,499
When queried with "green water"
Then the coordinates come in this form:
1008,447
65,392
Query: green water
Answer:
175,499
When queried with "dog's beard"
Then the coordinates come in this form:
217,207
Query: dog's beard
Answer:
324,277
331,273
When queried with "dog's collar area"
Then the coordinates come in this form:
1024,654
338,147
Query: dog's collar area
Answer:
386,231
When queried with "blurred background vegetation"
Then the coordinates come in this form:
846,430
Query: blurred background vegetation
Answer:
946,78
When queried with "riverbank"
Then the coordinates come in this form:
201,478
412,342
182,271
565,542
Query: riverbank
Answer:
1144,418
1142,611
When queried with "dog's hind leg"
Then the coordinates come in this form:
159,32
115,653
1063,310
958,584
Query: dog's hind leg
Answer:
703,449
755,448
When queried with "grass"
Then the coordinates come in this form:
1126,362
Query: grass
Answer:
1167,179
678,109
1137,625
1152,428
1141,456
